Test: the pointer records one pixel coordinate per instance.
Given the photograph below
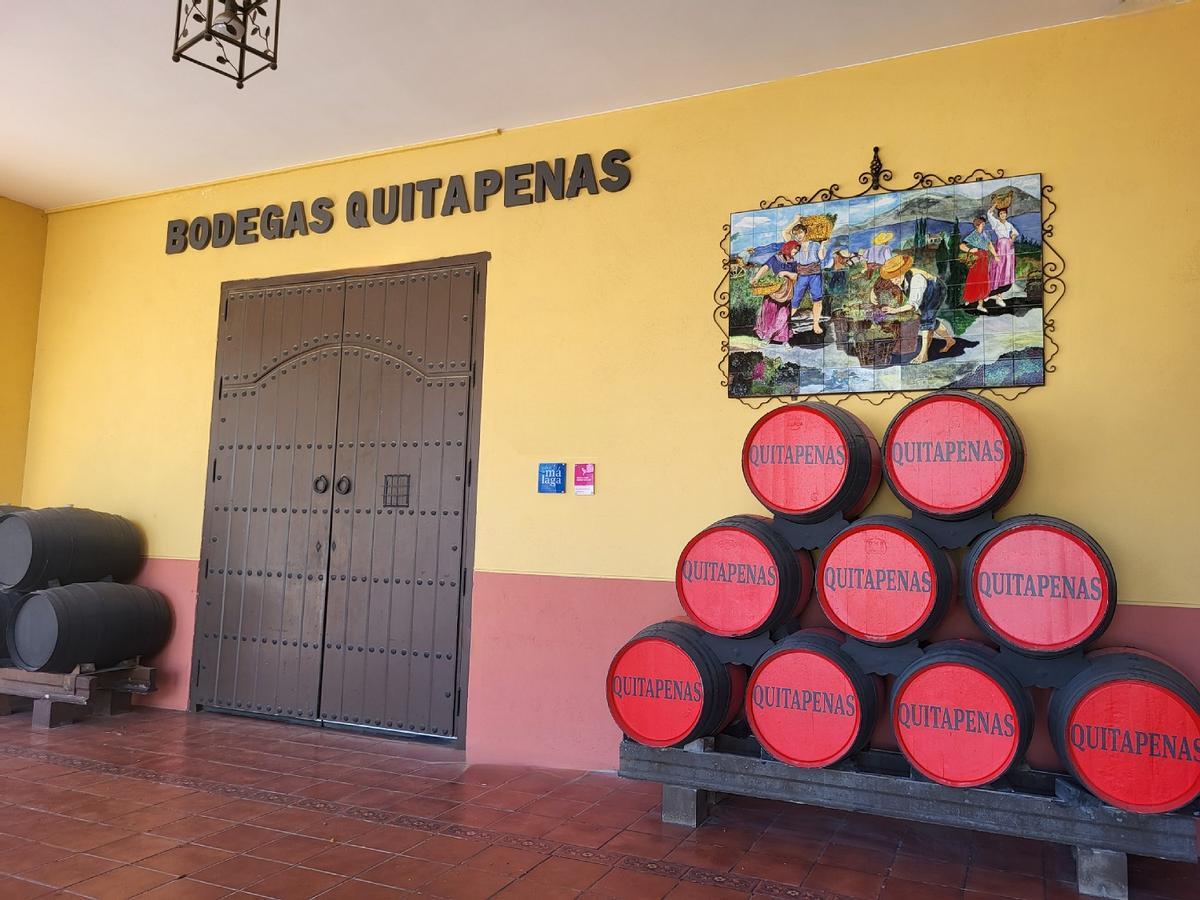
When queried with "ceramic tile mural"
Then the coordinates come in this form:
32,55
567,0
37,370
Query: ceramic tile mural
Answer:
904,290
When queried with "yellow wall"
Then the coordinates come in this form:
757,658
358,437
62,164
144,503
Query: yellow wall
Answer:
22,254
599,341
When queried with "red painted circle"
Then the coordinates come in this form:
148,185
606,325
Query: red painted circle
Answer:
803,708
795,460
654,692
727,581
1136,745
956,725
1040,587
876,583
947,455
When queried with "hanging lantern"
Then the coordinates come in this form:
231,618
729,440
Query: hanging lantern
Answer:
234,38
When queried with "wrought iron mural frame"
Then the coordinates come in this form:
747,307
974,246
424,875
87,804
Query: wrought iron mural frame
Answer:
874,181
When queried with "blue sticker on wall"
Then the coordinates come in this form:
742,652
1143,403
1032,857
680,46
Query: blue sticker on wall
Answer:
552,478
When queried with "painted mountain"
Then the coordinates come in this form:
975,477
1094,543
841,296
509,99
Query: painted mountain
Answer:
937,205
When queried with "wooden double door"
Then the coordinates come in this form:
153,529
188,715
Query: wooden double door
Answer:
339,507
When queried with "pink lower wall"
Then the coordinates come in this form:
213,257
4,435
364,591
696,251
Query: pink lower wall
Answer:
541,645
176,579
540,649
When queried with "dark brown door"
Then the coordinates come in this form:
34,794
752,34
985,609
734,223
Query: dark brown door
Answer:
261,605
336,529
395,575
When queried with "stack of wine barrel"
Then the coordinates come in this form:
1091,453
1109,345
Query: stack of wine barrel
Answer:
62,603
1126,724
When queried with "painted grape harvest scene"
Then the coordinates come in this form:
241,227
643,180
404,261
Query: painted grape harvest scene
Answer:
903,290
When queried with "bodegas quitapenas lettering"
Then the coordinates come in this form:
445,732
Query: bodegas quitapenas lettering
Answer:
516,185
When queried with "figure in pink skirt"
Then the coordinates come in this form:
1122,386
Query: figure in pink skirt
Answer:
773,324
1003,266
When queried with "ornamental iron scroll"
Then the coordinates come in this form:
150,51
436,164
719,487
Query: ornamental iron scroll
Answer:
876,181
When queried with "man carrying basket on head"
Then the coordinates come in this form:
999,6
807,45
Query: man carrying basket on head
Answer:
918,290
810,259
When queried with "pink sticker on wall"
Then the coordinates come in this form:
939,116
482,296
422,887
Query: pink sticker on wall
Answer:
585,478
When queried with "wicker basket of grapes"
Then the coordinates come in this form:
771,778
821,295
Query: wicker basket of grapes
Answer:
766,287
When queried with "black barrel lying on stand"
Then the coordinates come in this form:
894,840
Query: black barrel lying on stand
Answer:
56,629
67,545
8,604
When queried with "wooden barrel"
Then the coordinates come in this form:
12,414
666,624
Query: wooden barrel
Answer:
809,461
953,455
56,629
884,581
1040,585
809,703
960,718
8,605
1128,727
67,545
740,577
667,687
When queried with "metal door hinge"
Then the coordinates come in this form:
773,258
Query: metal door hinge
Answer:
457,702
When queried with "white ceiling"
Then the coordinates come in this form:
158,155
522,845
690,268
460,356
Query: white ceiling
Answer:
94,108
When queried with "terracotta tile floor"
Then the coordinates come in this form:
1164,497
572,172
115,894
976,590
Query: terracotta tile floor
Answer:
156,804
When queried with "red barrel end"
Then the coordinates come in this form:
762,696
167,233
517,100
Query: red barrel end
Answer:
1040,585
953,455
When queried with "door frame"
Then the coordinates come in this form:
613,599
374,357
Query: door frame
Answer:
480,262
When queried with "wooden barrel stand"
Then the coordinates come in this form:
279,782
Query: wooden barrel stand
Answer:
61,699
1029,804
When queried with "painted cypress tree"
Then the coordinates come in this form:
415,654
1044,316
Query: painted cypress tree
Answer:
957,277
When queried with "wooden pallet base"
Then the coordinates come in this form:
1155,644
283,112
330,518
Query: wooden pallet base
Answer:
1100,835
58,699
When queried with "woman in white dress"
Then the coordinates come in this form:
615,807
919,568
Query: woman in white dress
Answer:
1002,267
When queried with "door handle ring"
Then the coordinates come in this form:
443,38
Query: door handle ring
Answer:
344,484
321,485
